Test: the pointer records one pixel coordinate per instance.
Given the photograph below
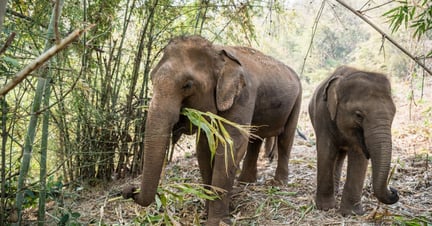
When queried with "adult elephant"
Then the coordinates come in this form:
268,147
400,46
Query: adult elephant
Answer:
352,112
238,83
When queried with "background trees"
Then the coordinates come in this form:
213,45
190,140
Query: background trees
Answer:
94,110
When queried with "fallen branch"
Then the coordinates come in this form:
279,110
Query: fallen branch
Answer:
35,64
357,13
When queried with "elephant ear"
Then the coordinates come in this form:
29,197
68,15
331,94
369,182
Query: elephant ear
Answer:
230,82
330,95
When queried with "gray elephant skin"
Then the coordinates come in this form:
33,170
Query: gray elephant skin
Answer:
238,83
352,112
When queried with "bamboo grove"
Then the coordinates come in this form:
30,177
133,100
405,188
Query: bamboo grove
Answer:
79,118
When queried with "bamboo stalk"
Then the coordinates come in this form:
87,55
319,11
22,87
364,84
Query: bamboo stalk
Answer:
42,91
43,155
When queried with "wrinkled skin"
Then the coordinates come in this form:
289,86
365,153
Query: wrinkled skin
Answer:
237,83
352,112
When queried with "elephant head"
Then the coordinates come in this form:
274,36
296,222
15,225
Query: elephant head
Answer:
361,106
192,73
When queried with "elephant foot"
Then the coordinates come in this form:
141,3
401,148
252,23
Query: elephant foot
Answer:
128,192
247,178
325,203
274,182
218,222
281,179
351,209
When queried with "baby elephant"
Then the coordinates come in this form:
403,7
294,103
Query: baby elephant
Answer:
352,112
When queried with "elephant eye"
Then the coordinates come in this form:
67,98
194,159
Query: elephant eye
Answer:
187,85
359,115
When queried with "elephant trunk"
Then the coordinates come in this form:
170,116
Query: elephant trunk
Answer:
159,123
379,144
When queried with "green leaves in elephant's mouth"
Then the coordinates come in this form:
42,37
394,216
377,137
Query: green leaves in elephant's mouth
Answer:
214,127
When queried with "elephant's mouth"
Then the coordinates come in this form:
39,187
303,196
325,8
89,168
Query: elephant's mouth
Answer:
183,126
360,137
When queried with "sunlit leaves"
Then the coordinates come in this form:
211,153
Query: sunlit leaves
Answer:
214,127
413,14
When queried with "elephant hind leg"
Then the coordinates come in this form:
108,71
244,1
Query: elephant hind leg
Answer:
285,142
338,170
249,169
284,145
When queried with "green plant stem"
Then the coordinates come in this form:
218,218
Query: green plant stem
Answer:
41,88
43,157
4,111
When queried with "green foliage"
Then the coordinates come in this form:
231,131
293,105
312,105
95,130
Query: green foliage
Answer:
171,198
30,198
274,199
62,215
214,127
305,210
412,221
400,15
69,218
415,14
54,188
9,64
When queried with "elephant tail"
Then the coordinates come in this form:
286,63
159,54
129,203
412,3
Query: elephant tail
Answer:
271,150
301,134
270,153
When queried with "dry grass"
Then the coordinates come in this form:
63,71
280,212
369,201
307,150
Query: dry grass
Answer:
293,204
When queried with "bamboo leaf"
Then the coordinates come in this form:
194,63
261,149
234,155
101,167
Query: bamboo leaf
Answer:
230,142
214,127
391,12
11,61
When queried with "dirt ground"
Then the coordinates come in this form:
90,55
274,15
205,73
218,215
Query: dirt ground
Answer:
263,204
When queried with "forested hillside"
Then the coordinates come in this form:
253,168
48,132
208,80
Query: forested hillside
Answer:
75,87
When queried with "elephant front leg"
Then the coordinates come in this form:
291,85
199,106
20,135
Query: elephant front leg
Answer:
204,159
204,163
223,177
325,194
338,170
351,197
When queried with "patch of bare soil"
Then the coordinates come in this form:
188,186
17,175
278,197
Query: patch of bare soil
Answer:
261,203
